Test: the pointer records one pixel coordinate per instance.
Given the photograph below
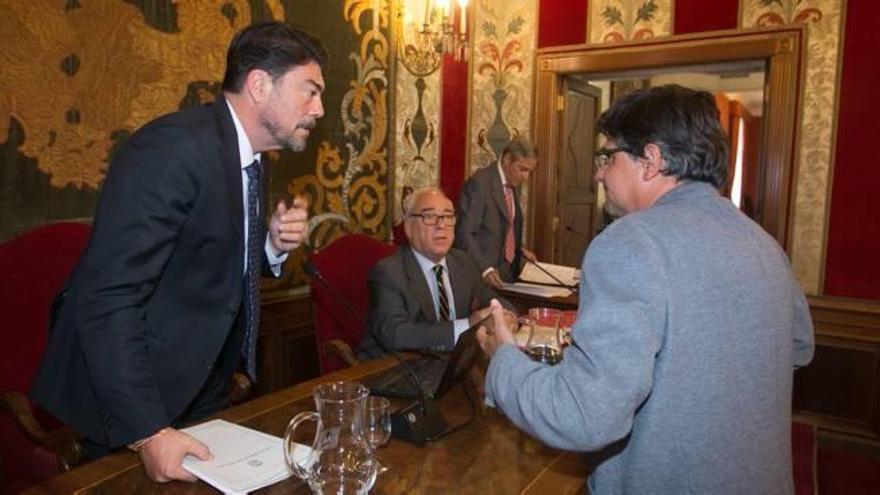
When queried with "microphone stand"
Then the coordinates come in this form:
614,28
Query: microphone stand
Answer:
418,427
560,282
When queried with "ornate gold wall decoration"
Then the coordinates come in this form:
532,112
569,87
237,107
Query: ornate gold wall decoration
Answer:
819,109
56,64
613,21
348,190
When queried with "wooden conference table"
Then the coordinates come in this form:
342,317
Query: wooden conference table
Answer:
490,455
525,301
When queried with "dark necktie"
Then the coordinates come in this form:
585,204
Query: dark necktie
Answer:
252,273
442,297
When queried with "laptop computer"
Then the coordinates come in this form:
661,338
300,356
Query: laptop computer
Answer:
437,373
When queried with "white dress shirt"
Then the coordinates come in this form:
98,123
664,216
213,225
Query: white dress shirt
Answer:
246,157
459,325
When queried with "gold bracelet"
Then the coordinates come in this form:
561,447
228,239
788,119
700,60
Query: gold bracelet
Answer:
138,445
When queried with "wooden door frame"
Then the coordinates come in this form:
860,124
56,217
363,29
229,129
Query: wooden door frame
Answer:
782,50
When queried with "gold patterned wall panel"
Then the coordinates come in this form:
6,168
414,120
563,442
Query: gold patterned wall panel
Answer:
417,134
117,73
502,66
824,20
348,189
613,21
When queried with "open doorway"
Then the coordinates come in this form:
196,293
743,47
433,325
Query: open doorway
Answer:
755,80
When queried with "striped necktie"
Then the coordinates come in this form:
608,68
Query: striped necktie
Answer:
442,297
252,274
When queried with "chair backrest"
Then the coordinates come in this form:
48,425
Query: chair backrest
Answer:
345,264
35,266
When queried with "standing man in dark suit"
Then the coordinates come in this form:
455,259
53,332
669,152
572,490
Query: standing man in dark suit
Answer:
165,301
426,294
490,220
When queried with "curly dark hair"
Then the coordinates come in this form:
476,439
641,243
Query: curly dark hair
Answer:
682,122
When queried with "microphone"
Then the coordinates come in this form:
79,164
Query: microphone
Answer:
414,426
560,282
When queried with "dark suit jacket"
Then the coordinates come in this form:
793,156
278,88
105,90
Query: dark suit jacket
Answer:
402,309
159,288
482,222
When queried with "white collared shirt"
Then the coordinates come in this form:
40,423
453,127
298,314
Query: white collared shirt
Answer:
503,185
459,324
246,157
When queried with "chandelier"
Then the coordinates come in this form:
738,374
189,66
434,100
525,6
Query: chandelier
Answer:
428,31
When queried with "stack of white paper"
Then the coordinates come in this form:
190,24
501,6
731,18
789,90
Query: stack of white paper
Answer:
537,290
244,459
568,275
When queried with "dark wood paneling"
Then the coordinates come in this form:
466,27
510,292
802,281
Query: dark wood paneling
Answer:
287,352
840,389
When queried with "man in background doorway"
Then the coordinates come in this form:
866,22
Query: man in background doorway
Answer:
490,219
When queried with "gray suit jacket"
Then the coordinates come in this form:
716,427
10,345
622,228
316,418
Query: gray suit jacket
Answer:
402,309
689,328
482,222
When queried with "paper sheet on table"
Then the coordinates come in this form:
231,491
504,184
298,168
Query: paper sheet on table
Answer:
244,459
568,275
537,290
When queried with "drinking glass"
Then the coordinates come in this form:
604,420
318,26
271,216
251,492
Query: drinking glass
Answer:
378,421
545,341
566,321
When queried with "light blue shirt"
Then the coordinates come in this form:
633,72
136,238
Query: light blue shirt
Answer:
246,157
427,266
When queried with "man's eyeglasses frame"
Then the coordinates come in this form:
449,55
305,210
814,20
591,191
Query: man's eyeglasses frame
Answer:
431,219
602,157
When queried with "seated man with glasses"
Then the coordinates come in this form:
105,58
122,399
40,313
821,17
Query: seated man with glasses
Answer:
425,295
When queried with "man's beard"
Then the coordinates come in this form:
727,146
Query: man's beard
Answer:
289,141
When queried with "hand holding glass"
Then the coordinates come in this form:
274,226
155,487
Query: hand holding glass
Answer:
544,342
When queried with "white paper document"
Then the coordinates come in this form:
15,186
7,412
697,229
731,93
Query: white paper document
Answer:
244,459
568,275
537,290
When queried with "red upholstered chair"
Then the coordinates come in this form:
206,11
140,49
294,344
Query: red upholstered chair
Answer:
33,445
399,234
344,264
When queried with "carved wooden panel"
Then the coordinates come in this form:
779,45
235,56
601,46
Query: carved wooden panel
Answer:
840,389
287,351
575,187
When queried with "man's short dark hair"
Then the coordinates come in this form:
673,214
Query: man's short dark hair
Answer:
681,121
520,147
274,47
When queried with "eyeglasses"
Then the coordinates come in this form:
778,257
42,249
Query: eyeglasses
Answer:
431,219
602,158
